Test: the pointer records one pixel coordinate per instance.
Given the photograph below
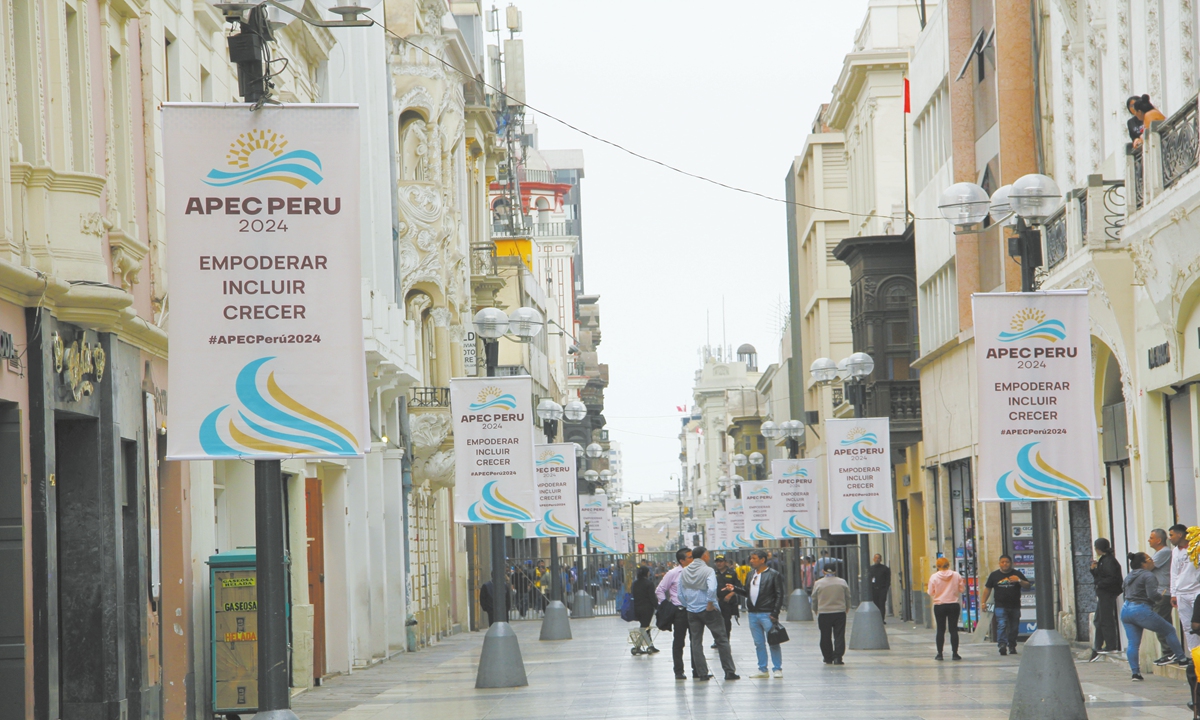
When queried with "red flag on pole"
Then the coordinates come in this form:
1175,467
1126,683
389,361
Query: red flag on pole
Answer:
907,98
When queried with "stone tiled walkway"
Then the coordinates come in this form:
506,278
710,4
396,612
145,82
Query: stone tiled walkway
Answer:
594,676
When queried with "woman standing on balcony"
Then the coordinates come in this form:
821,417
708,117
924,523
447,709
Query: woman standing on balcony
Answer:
1144,113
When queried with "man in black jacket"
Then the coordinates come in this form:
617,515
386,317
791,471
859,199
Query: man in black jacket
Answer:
764,599
727,604
881,584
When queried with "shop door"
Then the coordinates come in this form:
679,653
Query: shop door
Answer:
12,565
905,564
962,518
315,524
1121,518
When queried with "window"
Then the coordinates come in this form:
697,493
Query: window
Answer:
79,106
931,139
938,308
206,90
171,68
25,54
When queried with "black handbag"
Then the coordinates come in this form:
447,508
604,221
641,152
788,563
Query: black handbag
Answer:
664,617
777,635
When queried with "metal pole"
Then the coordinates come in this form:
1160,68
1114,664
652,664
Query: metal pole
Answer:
632,528
551,429
1042,511
499,575
274,697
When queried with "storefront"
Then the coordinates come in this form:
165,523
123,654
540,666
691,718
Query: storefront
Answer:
14,511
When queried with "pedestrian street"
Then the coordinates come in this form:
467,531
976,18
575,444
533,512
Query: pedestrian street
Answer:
594,676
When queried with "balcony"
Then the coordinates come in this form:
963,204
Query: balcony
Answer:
511,370
1169,153
1091,219
429,397
899,400
566,228
576,368
1178,143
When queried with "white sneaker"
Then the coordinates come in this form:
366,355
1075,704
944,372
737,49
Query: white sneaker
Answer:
777,674
760,675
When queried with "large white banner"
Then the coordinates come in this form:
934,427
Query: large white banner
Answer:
597,518
493,450
557,502
758,503
265,324
858,453
1037,416
710,533
722,530
736,515
795,500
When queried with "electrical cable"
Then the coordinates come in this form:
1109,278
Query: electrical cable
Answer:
634,153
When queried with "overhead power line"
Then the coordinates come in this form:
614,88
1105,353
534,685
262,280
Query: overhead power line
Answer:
635,153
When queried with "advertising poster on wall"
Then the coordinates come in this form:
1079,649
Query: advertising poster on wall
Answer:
858,454
722,530
493,450
736,515
557,502
597,518
266,337
1037,417
758,502
795,501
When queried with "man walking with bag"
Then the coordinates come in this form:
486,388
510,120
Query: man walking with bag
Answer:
668,592
764,598
698,591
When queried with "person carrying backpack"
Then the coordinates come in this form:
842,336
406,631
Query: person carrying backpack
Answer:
1106,574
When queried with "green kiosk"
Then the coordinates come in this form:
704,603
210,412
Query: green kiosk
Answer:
234,599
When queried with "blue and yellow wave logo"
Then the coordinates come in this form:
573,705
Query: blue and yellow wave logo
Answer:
1036,479
862,520
796,472
859,436
550,458
760,532
795,529
594,503
760,491
551,526
270,423
261,155
492,397
495,508
599,545
1031,323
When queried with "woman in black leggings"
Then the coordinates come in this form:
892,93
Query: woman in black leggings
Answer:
945,589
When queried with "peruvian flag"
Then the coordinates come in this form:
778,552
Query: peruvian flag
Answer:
907,98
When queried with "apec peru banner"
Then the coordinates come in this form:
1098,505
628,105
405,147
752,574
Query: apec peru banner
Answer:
1037,420
710,533
758,503
493,450
597,518
722,530
265,330
557,503
858,453
794,502
736,516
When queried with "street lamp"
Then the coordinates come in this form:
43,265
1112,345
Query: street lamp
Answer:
594,450
549,412
769,430
792,430
824,371
738,461
756,465
575,410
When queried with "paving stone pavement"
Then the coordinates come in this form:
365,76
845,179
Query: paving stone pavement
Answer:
594,676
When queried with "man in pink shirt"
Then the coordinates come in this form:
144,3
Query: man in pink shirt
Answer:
668,588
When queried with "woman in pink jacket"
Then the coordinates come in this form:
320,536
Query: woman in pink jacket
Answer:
945,589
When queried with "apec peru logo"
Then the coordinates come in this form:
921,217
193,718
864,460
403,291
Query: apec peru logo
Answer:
795,472
759,492
550,458
859,436
1031,323
261,155
492,397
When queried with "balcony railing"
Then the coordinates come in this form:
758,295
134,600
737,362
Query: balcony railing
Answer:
1055,231
576,368
839,396
1113,209
1139,184
536,176
897,399
566,228
1179,138
429,397
511,370
483,259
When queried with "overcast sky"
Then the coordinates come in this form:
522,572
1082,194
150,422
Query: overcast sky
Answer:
722,89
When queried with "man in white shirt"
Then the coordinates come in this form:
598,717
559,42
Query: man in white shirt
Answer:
1185,581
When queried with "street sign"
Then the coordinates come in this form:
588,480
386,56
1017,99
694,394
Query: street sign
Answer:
860,476
1037,420
266,314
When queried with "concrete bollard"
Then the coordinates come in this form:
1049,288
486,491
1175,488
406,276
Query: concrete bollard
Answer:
500,663
583,605
556,625
868,632
799,607
1047,682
